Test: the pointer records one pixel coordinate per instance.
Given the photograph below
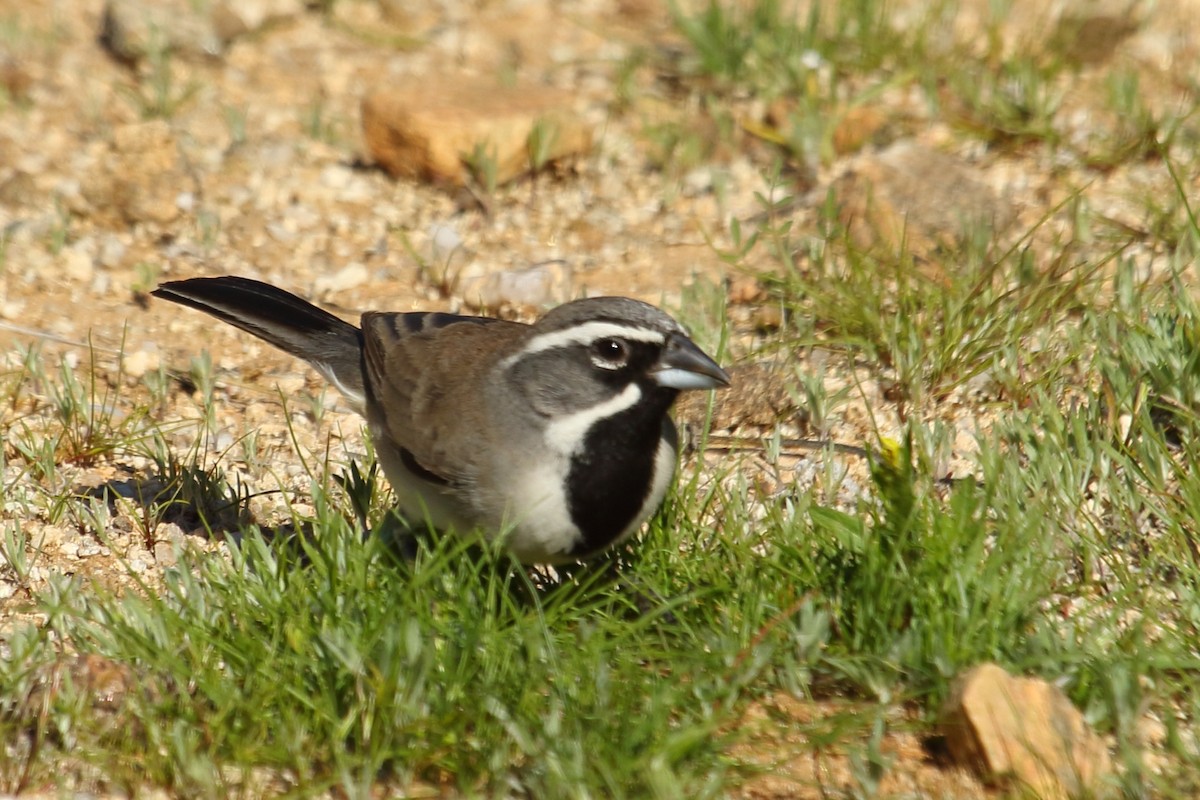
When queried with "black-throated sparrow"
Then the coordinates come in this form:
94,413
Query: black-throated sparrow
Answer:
555,435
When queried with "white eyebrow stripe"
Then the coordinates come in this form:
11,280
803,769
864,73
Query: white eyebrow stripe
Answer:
584,334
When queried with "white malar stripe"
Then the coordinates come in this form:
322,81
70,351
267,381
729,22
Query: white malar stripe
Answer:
565,435
585,334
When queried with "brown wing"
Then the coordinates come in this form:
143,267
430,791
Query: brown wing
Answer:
425,373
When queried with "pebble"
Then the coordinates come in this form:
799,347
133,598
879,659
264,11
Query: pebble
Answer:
536,287
348,277
335,176
77,263
165,554
139,362
101,283
132,29
281,232
444,240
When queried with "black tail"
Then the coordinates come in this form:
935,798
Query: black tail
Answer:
332,346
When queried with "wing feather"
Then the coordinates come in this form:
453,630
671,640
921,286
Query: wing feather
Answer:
425,390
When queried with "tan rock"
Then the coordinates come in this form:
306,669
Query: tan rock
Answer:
134,29
234,18
767,318
139,362
1091,33
856,127
1080,31
141,176
1024,728
418,17
440,133
746,289
915,198
15,80
535,287
18,189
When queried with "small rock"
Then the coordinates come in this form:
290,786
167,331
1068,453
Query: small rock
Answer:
1091,31
535,287
916,198
139,362
336,176
1027,729
281,233
141,177
112,252
133,29
107,682
78,264
434,132
15,80
69,192
233,19
418,18
856,127
444,242
353,274
745,289
697,181
18,189
767,318
165,554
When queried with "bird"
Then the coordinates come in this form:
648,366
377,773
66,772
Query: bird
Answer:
553,437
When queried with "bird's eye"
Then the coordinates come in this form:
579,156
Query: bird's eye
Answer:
610,353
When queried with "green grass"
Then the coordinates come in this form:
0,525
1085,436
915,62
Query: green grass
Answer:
324,662
335,664
157,92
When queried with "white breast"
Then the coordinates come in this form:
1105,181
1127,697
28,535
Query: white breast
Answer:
528,503
416,500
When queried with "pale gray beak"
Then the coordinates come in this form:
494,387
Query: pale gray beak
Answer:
685,366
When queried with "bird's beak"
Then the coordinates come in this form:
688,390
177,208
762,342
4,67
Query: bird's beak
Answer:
683,365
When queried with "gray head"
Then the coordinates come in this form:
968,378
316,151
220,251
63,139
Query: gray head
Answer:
613,350
618,310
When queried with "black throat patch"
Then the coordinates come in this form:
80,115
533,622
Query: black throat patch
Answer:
611,476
